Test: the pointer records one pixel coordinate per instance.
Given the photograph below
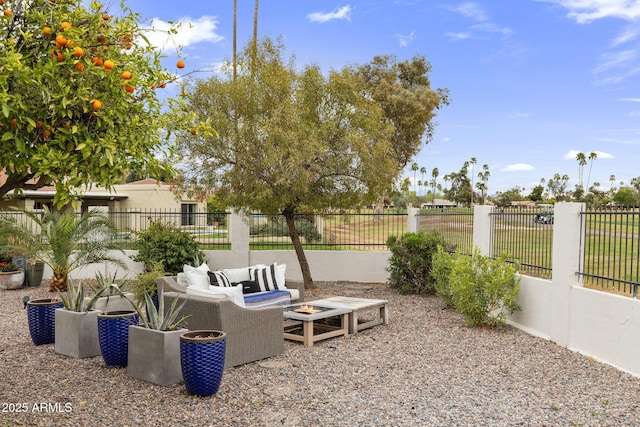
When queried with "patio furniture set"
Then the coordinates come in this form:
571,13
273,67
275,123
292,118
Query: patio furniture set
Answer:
258,332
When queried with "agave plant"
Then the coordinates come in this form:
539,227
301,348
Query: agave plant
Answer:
63,241
74,299
161,319
110,283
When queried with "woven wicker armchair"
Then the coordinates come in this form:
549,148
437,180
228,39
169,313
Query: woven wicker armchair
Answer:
251,334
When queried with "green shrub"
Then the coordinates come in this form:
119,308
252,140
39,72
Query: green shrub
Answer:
441,265
277,227
146,284
168,245
483,288
411,260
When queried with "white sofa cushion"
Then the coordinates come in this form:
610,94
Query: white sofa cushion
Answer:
237,275
234,293
197,276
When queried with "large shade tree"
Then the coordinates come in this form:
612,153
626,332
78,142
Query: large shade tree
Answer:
78,96
289,141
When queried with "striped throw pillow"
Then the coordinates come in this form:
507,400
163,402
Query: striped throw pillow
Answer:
219,278
265,277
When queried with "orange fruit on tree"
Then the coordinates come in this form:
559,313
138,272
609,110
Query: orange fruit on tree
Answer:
78,52
8,13
61,40
14,123
58,55
65,26
109,64
180,64
126,75
79,66
47,31
97,61
129,88
106,16
69,43
101,38
163,85
128,46
96,104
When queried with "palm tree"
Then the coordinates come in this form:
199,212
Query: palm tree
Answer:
434,174
592,156
582,160
63,241
414,168
484,178
472,162
612,179
423,170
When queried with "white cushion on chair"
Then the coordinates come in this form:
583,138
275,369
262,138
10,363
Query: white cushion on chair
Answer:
197,276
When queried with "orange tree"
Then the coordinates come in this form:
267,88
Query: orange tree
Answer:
78,96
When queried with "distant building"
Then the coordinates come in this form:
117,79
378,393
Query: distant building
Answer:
438,204
143,195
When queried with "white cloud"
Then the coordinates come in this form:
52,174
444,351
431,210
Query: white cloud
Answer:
630,99
343,12
460,36
492,28
571,154
482,29
189,32
517,167
471,10
586,11
616,60
403,40
629,34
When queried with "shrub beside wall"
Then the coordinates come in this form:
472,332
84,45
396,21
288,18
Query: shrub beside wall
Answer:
168,245
410,261
481,288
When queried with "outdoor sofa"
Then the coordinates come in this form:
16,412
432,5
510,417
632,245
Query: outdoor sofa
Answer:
252,334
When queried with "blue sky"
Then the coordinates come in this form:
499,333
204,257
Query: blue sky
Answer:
532,82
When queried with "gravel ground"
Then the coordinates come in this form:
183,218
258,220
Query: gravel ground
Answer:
425,368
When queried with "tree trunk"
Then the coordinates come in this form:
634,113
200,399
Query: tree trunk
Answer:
295,239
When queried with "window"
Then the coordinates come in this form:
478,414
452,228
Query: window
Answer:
188,214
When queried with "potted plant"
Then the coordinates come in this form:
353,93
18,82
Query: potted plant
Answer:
11,276
113,295
145,284
34,270
63,241
154,345
202,356
76,324
113,335
41,319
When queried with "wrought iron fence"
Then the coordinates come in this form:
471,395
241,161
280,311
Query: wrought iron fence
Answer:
210,229
524,235
455,224
344,230
612,250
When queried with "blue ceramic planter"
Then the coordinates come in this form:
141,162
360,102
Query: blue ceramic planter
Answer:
202,356
41,315
113,334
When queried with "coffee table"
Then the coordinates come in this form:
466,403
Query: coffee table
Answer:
357,305
310,327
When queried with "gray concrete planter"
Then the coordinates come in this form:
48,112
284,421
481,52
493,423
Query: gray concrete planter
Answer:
113,303
77,333
154,355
